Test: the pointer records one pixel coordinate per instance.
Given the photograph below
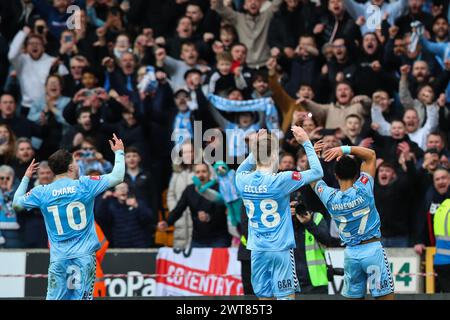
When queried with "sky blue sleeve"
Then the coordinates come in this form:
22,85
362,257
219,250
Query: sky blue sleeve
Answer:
396,9
249,164
94,185
23,200
118,173
293,180
355,9
323,191
434,47
365,182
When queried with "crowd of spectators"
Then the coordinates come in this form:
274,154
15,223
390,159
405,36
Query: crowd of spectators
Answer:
147,70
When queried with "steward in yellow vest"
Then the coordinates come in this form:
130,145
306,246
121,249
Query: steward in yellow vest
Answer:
312,235
441,226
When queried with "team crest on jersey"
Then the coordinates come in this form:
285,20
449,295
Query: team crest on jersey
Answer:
364,179
296,176
319,189
94,177
28,194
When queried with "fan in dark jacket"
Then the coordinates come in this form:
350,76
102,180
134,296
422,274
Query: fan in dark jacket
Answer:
393,198
208,216
131,223
139,180
336,23
294,18
387,147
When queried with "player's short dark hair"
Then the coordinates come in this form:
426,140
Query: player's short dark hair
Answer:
59,161
347,168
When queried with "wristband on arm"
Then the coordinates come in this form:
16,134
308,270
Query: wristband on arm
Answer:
346,149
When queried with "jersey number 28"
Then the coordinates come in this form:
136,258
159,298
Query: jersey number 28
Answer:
70,218
268,208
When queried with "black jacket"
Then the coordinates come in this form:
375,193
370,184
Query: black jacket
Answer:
386,147
286,27
129,227
346,28
142,186
156,14
203,232
71,87
394,203
22,127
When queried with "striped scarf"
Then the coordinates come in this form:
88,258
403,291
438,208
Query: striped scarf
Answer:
265,105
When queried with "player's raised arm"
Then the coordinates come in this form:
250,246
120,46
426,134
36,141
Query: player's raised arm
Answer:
118,173
19,196
315,171
368,157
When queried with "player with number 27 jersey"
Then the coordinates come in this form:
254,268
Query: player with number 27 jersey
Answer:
353,210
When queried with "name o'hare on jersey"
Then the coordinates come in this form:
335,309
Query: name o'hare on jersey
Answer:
67,206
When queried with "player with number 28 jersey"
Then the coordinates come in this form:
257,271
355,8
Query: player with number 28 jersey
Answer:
266,197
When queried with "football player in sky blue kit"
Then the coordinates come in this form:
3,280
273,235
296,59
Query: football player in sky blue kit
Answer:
266,197
67,206
353,209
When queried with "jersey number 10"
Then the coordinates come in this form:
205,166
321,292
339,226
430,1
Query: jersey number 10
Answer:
70,218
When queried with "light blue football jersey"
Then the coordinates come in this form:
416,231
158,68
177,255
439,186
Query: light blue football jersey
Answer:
266,197
353,210
68,209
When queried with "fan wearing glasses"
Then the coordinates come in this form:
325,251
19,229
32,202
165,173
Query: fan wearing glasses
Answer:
10,236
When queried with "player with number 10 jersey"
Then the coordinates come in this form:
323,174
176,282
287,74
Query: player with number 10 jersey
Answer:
266,196
67,206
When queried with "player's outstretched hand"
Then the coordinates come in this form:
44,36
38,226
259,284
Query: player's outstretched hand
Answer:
332,154
32,168
299,134
116,144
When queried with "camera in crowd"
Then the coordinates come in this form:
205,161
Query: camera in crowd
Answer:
300,208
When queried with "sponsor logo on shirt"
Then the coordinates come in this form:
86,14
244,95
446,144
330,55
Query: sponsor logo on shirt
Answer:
364,179
296,176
